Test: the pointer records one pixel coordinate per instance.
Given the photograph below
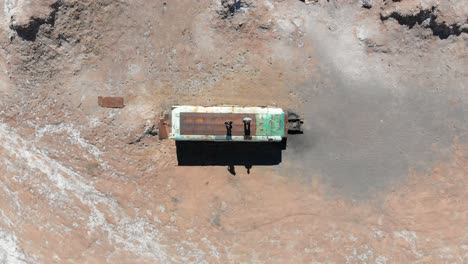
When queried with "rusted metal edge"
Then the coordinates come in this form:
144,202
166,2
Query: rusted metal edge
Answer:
164,125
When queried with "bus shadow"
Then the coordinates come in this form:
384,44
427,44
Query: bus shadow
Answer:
248,154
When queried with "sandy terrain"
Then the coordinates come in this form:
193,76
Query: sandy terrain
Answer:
379,176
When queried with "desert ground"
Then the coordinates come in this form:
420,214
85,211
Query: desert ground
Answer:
380,174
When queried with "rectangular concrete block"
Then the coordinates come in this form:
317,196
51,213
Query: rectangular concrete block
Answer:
111,101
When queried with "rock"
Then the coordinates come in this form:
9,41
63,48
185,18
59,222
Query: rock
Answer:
366,3
465,28
28,22
111,102
229,7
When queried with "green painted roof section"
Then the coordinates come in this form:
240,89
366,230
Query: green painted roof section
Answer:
270,124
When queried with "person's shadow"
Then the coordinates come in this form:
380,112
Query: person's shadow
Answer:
232,170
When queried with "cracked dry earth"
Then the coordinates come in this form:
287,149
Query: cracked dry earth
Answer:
379,176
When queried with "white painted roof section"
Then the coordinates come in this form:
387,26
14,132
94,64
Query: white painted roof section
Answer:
226,109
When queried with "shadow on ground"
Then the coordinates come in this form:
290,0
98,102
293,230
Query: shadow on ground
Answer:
247,154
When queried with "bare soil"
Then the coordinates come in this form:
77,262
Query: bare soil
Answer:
379,176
